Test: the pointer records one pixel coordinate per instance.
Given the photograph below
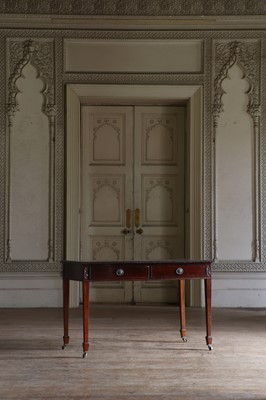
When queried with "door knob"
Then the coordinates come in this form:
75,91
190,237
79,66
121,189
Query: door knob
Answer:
126,231
139,231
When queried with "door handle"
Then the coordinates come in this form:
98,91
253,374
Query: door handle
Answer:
137,218
128,218
139,231
126,231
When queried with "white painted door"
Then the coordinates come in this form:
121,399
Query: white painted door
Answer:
132,193
158,194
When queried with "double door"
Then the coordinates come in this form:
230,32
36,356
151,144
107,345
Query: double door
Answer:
132,194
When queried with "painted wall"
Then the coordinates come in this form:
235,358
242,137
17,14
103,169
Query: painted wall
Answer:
39,65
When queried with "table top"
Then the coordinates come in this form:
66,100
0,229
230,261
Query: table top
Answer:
140,262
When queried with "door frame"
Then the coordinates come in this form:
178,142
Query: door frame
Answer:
175,95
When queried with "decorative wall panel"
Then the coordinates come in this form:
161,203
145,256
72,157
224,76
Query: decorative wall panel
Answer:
30,220
211,61
236,132
170,56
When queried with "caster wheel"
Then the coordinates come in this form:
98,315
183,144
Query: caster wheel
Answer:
184,339
63,347
210,347
84,354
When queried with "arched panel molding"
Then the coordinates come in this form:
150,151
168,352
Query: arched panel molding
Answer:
246,55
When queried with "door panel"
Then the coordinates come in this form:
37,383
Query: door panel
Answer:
133,193
159,194
107,182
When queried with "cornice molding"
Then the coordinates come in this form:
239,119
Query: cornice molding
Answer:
135,7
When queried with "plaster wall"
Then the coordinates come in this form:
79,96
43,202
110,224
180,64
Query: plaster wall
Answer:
39,66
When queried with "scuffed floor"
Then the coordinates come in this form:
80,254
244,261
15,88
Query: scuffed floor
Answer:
135,354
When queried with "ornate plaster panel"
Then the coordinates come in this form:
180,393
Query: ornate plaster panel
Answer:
40,54
247,55
136,7
206,78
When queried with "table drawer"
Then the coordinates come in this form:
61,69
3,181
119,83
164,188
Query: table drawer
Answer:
179,271
122,273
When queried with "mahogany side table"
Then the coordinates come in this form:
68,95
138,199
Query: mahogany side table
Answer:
95,271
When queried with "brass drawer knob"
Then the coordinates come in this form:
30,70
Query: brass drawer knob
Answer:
179,271
119,272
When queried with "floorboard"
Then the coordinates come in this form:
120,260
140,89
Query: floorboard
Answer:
135,354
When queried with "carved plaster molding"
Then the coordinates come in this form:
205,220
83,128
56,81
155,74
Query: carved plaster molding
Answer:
247,55
238,266
63,78
40,53
135,7
30,266
102,244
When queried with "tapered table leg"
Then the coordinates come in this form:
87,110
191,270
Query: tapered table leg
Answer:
65,311
85,317
182,309
208,309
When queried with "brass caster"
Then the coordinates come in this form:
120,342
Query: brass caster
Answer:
210,347
63,347
184,339
84,354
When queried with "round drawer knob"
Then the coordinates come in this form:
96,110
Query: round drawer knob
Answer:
119,272
179,271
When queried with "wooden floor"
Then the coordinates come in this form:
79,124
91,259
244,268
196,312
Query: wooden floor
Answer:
135,354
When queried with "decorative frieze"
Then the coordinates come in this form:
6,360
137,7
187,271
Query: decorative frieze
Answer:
135,7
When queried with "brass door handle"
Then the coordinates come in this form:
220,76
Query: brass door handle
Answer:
128,218
139,231
137,218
